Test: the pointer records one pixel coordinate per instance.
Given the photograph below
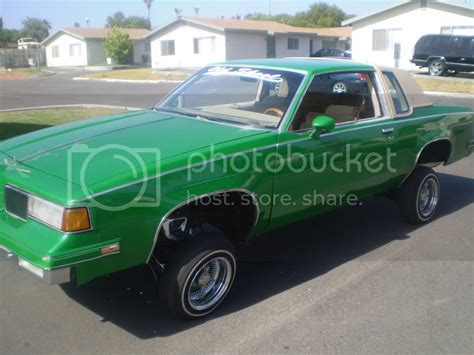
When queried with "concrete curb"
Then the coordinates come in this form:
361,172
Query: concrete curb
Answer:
451,94
71,106
129,80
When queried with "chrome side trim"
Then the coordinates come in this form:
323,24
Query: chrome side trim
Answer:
165,217
421,150
379,121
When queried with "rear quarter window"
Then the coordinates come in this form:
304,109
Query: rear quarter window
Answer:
397,95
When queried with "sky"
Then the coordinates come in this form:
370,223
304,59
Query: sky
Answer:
64,13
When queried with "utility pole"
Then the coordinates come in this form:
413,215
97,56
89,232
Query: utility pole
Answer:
196,10
87,21
270,7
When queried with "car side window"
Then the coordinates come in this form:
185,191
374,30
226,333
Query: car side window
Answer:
396,93
346,97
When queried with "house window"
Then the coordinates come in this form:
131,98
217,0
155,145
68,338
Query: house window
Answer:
167,47
456,30
204,45
55,50
380,40
75,50
293,43
147,46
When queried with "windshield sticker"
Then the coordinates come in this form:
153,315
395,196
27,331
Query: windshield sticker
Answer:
245,72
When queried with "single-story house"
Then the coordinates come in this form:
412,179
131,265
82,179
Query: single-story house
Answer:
85,46
195,42
388,37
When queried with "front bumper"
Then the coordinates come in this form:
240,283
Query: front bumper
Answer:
50,277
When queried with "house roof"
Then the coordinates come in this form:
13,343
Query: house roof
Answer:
98,33
259,26
446,6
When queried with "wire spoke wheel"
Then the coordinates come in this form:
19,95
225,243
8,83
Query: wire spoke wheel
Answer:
209,283
428,197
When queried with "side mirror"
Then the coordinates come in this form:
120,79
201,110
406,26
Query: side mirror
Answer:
322,123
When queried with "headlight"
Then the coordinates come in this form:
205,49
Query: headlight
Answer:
64,219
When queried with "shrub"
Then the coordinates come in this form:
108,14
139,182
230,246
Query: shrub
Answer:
118,46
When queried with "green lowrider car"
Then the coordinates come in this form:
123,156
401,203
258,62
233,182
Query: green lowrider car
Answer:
239,149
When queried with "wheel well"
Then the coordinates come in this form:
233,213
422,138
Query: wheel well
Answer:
435,153
430,59
233,212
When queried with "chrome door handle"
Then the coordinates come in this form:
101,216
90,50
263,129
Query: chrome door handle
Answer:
387,130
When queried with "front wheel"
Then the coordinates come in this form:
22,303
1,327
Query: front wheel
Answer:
419,196
198,276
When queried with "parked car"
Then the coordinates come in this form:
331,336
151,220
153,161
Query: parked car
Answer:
239,149
28,42
341,82
444,54
332,52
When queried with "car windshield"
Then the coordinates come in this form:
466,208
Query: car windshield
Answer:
241,95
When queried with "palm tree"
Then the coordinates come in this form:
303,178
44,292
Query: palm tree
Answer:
148,6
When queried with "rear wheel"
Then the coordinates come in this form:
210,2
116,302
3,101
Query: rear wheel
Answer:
199,276
437,67
419,196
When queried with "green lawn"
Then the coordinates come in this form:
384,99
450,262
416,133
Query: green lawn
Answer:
20,73
20,122
446,85
138,74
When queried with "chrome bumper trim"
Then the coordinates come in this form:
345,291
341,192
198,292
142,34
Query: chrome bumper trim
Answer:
50,277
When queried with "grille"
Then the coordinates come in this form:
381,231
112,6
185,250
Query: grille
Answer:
16,202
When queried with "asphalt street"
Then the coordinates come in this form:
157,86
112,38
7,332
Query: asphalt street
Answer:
356,280
60,89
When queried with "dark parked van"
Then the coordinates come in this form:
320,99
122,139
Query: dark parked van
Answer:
443,54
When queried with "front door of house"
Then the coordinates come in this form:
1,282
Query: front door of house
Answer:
271,51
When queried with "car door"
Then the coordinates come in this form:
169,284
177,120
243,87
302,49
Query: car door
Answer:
347,163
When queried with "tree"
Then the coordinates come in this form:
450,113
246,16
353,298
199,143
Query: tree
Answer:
8,36
318,15
137,22
118,46
1,23
118,19
148,6
36,28
77,24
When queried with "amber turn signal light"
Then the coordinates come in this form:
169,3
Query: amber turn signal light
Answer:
76,220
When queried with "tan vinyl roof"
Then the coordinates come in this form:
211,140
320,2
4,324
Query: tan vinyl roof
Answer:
411,88
134,33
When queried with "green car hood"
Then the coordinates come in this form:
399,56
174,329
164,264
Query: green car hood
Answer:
62,151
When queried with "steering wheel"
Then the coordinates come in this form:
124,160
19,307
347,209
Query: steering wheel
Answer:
273,111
